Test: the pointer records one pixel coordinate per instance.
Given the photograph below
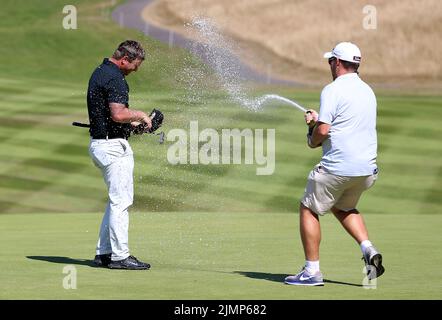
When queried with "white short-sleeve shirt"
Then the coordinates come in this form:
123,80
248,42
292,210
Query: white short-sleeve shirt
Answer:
348,104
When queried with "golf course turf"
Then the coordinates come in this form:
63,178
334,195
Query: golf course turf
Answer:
225,255
209,231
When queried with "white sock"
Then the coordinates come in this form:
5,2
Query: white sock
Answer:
365,244
312,266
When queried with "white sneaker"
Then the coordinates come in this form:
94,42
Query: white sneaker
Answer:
305,279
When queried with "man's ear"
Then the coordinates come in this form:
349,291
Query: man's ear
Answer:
124,61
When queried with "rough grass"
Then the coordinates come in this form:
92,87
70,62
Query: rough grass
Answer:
290,37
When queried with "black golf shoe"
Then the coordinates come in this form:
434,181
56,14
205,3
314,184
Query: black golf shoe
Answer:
102,260
373,263
130,263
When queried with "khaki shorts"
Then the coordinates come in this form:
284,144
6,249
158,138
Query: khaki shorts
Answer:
325,190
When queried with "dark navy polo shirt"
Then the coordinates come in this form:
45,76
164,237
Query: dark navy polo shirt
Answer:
107,84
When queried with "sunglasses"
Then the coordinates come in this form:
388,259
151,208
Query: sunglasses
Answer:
330,60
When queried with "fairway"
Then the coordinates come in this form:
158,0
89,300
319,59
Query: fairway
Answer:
216,256
46,167
209,231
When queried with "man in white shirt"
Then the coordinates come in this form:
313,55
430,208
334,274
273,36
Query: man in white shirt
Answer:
346,130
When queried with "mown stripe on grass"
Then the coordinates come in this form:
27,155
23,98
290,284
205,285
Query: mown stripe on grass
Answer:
72,149
18,124
60,148
21,183
433,193
24,153
11,91
402,168
35,98
43,131
40,100
400,192
392,114
19,206
55,109
64,166
411,130
431,151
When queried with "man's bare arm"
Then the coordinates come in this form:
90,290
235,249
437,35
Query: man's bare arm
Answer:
121,114
319,134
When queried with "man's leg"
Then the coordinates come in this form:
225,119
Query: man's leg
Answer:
115,159
99,152
345,208
103,244
104,249
353,223
310,230
119,178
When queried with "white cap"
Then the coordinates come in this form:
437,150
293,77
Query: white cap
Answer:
346,51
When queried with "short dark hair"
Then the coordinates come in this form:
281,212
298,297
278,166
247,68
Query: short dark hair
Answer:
350,65
131,49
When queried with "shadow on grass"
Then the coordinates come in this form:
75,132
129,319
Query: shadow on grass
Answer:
275,277
63,260
279,277
343,283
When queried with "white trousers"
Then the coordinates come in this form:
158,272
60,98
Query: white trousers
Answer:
114,157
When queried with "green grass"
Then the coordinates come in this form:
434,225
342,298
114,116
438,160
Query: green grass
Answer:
223,231
46,168
216,256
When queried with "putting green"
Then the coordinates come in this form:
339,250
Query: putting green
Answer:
198,255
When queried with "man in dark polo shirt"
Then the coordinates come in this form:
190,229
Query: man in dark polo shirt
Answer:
111,122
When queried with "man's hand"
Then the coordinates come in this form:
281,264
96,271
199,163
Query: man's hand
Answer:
135,123
145,119
120,113
137,127
314,135
155,120
311,117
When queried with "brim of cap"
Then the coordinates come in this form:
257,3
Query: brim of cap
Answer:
328,55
